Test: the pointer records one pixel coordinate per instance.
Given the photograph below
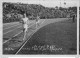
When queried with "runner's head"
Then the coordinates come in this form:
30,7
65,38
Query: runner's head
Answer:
24,15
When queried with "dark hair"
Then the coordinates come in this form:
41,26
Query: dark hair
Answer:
25,12
22,12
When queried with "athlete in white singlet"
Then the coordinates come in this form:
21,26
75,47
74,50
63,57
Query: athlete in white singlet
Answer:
25,24
37,21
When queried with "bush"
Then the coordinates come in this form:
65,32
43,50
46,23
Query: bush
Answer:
17,9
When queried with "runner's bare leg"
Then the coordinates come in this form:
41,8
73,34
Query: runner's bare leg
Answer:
36,25
25,31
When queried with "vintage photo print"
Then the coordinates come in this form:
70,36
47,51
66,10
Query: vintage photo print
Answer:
39,27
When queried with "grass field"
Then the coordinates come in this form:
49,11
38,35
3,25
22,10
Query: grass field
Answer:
54,38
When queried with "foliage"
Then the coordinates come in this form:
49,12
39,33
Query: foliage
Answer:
13,11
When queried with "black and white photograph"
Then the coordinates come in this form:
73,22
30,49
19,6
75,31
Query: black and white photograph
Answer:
39,27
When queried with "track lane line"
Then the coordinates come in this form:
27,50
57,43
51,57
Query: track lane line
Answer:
10,27
42,22
24,44
15,35
10,23
10,30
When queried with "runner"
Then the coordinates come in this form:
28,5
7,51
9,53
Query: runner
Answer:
37,21
73,18
24,24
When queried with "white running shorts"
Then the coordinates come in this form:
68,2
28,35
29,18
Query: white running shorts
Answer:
25,27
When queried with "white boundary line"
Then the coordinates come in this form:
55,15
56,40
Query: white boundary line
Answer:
24,44
10,27
11,30
10,23
14,36
26,41
11,38
42,22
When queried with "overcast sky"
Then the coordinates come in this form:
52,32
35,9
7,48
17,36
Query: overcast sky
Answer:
48,3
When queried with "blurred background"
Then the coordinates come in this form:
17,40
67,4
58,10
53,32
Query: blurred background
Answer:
45,9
